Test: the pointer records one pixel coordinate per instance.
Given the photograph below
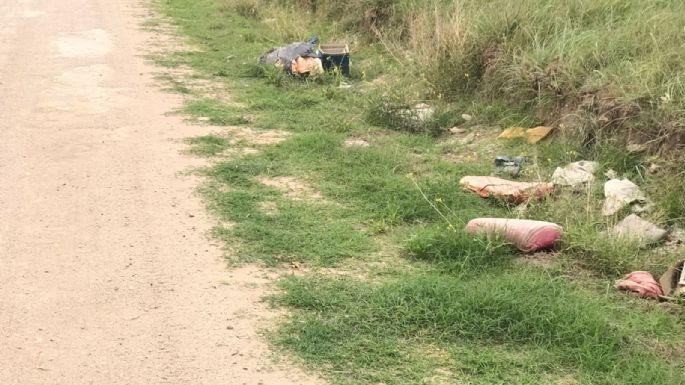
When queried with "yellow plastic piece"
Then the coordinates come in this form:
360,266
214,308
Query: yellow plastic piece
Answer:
532,135
513,132
536,134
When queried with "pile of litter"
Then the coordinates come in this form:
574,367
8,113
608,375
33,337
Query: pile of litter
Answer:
530,236
295,58
308,58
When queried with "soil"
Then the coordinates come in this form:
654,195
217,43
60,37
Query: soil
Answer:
106,273
292,188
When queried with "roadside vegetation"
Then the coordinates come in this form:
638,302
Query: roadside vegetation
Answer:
330,177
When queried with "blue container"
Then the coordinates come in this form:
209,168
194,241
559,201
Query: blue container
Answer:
336,56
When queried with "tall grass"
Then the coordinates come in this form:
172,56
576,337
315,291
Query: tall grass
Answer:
602,65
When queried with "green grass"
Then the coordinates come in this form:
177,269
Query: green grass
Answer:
422,302
493,328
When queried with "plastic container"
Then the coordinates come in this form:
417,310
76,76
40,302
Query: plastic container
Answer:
336,56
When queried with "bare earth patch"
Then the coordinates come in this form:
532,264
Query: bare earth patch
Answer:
292,188
356,142
257,137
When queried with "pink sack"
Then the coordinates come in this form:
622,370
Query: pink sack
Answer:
526,235
509,191
640,282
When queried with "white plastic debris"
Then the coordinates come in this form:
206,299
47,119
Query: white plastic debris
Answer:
575,174
635,227
620,193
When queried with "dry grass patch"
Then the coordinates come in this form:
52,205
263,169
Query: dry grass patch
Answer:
292,188
258,137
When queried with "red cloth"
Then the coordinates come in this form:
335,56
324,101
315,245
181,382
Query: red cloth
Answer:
509,191
640,282
526,235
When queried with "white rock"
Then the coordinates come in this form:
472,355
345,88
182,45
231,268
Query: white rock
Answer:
635,227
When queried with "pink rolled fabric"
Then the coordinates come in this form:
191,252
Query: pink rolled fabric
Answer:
640,282
526,235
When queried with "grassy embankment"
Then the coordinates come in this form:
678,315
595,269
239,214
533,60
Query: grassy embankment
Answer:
394,292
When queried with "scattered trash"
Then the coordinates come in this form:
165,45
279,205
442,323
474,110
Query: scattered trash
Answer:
336,57
640,282
506,190
635,227
306,66
620,193
466,117
422,112
673,280
536,134
527,235
513,133
532,135
575,174
302,58
505,165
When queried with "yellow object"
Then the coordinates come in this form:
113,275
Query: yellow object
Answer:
532,135
513,132
536,134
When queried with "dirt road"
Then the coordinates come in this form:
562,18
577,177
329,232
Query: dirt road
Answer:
106,274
